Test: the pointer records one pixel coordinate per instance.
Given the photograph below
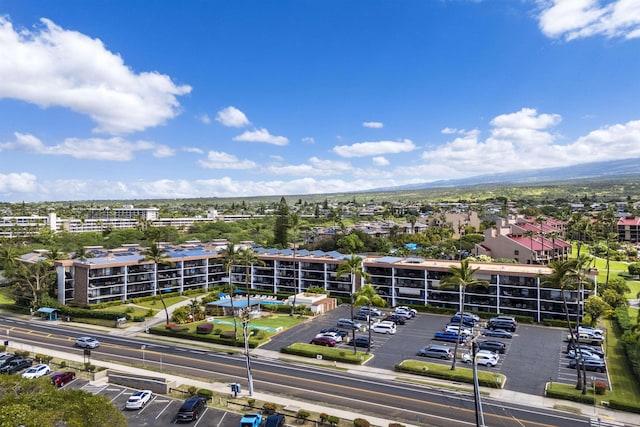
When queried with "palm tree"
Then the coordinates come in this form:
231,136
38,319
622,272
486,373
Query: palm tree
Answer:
8,259
368,296
294,223
354,267
461,278
159,257
248,258
529,234
229,259
565,277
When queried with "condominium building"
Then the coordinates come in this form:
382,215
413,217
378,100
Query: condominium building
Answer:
515,289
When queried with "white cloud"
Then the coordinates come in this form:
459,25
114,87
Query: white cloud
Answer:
308,140
365,149
115,148
204,118
373,125
220,160
18,183
380,161
50,67
527,118
195,150
314,167
574,19
232,117
261,135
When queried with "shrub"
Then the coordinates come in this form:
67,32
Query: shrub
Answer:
192,390
203,392
333,420
22,353
361,422
600,387
170,326
269,407
303,414
63,364
396,425
89,367
204,328
323,417
251,402
625,406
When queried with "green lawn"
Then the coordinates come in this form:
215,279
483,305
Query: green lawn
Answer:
624,384
127,309
157,305
6,296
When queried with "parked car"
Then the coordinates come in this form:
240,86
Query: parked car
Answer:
475,317
456,328
361,316
398,320
333,335
497,323
191,409
586,354
404,308
342,333
403,314
275,420
437,351
592,348
348,324
384,328
449,336
371,311
323,340
59,379
584,338
590,365
362,341
482,359
489,353
15,365
498,333
590,330
497,346
466,321
7,359
87,342
36,371
251,420
138,399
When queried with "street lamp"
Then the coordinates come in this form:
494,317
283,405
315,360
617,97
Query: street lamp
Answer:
245,332
143,347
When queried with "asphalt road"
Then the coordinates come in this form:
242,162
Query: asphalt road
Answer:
414,403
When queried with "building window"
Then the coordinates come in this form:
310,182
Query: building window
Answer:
516,252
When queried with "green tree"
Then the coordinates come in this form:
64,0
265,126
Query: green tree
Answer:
461,278
368,296
353,266
249,258
8,259
281,226
596,307
634,269
37,403
31,281
564,276
158,256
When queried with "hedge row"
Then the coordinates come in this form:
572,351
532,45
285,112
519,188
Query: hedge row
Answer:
625,406
338,357
574,397
213,339
463,375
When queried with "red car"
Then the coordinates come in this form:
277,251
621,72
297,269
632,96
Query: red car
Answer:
323,340
59,379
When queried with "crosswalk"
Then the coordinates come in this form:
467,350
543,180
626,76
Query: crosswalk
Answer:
604,422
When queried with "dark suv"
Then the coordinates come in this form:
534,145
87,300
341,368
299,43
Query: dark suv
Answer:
497,346
275,420
191,409
502,323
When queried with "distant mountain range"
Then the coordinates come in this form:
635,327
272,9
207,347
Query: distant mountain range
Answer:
595,170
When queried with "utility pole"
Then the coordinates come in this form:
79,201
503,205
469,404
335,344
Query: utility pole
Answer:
245,327
476,386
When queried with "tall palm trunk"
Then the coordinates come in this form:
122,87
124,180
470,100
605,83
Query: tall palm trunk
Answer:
233,309
576,344
455,348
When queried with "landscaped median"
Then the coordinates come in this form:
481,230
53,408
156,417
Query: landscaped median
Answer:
327,353
444,372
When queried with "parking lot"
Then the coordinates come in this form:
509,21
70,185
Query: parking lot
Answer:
534,356
160,411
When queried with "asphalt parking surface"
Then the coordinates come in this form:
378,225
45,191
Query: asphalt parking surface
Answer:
534,356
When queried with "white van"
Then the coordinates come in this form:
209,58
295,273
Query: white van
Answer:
384,328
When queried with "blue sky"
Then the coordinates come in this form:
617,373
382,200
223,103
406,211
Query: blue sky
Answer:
135,99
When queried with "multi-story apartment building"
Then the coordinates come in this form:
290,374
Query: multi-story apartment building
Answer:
514,289
629,229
